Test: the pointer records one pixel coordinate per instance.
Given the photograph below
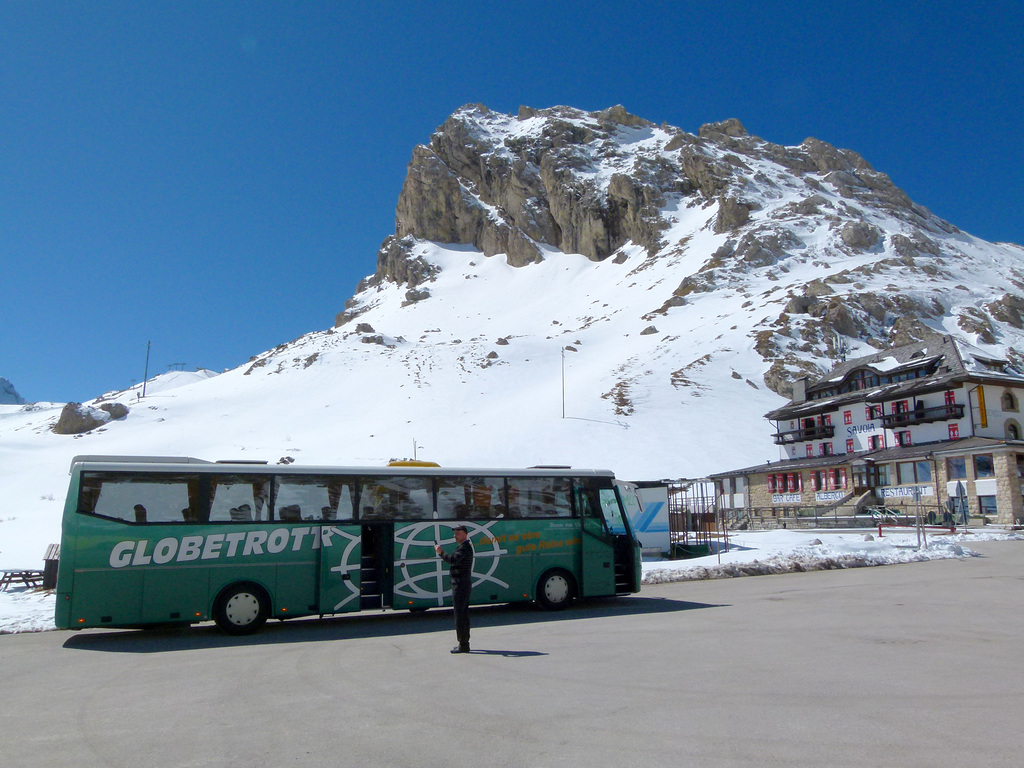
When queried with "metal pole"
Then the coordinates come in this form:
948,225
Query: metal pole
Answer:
563,382
145,376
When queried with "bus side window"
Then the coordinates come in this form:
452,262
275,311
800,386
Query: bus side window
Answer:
585,502
142,499
462,498
401,498
312,498
90,494
539,497
239,498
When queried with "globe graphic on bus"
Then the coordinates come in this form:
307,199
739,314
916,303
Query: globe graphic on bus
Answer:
422,575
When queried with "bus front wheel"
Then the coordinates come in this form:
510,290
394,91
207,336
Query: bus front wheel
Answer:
555,590
241,609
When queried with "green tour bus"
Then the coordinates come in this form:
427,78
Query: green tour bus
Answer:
156,540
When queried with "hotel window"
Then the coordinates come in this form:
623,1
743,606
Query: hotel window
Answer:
956,468
984,466
810,450
849,445
883,474
825,449
988,505
847,417
950,397
875,442
903,438
913,472
954,431
1009,401
837,479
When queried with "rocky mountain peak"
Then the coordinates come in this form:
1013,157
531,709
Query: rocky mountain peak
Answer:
850,257
8,394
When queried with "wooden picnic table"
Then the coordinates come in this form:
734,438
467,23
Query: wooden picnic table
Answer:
26,578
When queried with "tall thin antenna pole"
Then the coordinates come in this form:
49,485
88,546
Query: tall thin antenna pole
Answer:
146,374
563,382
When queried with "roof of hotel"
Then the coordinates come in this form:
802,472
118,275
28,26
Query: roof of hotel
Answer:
950,361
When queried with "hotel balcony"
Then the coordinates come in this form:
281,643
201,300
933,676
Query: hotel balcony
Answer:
923,415
820,432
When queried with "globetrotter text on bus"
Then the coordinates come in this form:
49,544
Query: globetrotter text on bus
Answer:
217,545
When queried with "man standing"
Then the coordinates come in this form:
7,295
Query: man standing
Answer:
461,575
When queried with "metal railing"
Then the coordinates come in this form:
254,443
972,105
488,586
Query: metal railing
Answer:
817,432
923,415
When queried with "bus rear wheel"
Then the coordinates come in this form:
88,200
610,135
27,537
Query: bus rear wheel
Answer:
241,609
555,590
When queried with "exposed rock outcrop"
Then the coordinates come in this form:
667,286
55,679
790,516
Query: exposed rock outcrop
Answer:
76,419
853,258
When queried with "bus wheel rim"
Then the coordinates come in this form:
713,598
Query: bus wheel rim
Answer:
556,589
242,609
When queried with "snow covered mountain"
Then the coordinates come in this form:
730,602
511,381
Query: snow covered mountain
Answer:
806,248
8,394
572,288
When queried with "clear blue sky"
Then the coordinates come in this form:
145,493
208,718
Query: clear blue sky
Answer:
217,177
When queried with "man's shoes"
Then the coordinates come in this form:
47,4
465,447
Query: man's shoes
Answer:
460,649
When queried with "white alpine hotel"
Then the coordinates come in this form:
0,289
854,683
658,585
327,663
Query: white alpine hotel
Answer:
934,425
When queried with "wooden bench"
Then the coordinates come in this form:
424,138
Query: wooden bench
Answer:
25,578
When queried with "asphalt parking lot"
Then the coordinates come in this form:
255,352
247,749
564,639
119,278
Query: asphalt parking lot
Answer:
909,665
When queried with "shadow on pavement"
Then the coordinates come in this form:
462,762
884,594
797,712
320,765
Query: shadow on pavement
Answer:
366,624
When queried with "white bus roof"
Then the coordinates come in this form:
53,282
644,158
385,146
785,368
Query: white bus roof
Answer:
188,464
